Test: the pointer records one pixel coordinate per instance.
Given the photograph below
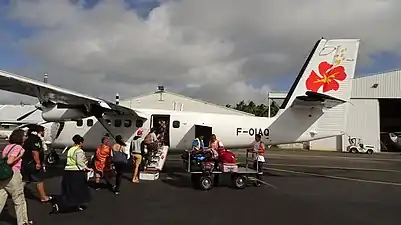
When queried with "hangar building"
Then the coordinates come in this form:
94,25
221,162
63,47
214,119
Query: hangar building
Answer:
374,113
172,101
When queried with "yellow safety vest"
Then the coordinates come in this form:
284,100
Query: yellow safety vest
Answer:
199,144
72,163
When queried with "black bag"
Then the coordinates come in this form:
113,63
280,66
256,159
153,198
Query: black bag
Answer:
6,171
119,157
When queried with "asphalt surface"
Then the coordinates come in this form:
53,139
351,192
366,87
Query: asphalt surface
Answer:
310,188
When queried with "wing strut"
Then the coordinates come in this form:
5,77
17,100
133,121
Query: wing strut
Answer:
105,125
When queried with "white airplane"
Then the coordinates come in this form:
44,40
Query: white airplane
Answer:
323,82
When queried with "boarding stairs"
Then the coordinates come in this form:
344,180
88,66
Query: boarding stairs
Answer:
155,164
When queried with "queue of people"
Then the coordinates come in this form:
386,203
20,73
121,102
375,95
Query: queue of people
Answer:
25,156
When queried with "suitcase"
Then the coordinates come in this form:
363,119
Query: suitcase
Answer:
229,167
227,157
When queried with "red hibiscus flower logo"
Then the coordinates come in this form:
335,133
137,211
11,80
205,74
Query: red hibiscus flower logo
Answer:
328,78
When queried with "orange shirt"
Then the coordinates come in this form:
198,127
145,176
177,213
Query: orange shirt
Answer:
103,158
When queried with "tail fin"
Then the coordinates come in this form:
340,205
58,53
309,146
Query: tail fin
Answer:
327,72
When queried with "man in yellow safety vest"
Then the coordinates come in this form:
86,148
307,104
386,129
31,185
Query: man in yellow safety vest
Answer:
198,144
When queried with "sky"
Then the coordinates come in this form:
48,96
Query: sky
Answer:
220,51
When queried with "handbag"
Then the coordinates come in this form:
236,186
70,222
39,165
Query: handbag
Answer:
119,157
6,171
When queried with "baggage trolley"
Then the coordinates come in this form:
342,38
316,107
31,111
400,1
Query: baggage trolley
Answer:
206,179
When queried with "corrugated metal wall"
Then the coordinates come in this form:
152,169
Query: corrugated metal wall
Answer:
364,122
388,86
332,120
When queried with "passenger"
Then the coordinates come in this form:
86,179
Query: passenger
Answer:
103,163
151,140
136,151
33,160
119,161
15,186
75,193
259,150
198,144
151,144
215,145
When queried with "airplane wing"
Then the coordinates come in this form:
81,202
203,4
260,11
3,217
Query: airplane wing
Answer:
313,99
51,93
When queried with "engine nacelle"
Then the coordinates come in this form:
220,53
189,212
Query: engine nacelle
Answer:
55,114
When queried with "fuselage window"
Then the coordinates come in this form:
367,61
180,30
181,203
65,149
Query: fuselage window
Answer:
138,123
117,123
80,123
176,124
89,122
127,123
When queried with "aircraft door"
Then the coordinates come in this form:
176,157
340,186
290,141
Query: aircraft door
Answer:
162,125
205,131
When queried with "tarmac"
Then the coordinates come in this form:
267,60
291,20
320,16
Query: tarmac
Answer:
303,188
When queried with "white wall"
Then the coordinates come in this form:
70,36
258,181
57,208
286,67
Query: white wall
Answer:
363,122
182,103
327,144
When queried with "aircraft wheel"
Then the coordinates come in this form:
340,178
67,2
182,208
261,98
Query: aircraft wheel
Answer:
206,183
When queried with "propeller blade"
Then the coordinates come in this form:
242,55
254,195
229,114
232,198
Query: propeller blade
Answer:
26,115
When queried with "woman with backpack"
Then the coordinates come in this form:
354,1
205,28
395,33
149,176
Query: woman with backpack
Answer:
120,160
11,178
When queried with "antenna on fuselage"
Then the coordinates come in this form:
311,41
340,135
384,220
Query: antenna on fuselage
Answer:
117,99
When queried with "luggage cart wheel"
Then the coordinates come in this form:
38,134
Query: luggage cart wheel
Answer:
206,182
239,181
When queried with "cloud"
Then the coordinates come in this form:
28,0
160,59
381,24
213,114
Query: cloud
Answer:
222,51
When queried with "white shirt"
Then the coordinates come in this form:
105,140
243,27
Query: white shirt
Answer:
136,145
256,144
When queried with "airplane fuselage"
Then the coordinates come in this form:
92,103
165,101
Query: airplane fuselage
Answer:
235,131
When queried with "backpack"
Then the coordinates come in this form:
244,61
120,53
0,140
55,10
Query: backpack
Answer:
6,171
119,157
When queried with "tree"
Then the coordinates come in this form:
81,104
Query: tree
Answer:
258,110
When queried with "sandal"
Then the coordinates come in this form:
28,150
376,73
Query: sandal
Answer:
49,198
